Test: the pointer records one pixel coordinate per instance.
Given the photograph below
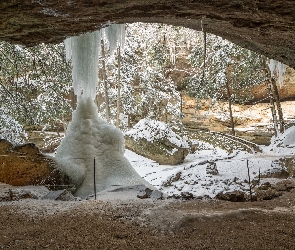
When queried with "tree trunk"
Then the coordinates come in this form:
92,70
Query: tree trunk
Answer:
278,103
105,85
271,101
118,89
232,125
129,121
271,98
203,23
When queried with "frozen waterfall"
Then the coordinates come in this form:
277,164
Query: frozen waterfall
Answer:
88,136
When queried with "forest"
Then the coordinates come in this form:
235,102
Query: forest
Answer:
146,77
103,143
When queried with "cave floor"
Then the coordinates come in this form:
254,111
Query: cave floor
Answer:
146,224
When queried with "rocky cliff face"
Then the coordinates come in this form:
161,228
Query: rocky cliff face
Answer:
267,26
286,90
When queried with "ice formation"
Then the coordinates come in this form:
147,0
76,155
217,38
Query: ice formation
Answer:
115,34
88,136
84,51
279,68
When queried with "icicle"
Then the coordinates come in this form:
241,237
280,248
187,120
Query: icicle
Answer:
115,34
280,69
84,51
272,66
172,53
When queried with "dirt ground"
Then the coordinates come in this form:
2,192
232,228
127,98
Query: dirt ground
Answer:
137,224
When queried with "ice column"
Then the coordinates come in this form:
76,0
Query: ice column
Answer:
89,136
84,52
115,34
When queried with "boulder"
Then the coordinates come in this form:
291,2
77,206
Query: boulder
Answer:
161,151
60,195
11,193
267,194
212,168
281,168
152,194
16,194
156,140
24,165
188,196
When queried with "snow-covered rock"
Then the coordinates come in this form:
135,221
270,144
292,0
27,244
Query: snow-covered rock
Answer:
157,141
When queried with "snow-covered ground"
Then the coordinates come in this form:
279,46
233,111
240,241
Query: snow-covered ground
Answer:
195,174
212,170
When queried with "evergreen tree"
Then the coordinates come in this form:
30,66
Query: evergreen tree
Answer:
230,73
34,84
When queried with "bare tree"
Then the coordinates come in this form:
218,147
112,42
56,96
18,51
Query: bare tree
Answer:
104,79
118,88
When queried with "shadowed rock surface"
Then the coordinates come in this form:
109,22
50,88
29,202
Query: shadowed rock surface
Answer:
263,26
24,165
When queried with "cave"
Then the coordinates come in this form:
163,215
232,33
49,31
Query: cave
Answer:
264,26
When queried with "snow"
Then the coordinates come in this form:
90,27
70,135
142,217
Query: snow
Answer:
153,130
10,129
233,173
232,169
283,143
193,173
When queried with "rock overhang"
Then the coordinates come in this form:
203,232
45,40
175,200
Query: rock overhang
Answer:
267,27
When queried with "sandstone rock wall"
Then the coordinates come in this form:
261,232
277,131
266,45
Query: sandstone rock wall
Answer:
286,91
24,165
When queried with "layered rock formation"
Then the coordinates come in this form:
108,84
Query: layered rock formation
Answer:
24,165
263,26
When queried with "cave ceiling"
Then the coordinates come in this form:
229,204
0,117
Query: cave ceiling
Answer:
267,27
